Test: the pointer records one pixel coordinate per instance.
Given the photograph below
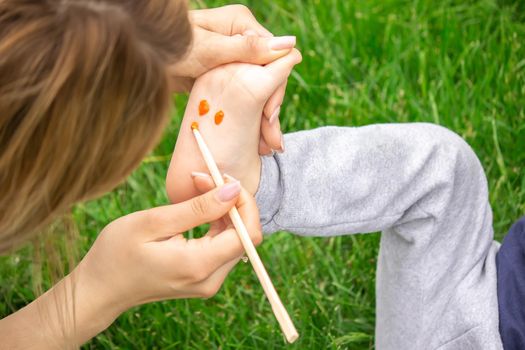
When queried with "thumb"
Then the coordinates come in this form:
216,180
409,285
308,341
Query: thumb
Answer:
176,218
281,68
252,48
221,248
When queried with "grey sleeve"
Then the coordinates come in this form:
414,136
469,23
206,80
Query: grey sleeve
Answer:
340,180
425,189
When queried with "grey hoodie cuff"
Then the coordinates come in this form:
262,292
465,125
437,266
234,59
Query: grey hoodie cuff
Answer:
269,193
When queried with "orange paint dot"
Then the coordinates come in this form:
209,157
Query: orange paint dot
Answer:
204,107
194,126
219,116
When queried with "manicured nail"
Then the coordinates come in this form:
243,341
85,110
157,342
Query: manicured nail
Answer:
282,42
275,114
229,191
229,177
199,174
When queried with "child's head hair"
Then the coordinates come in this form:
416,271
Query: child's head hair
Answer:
84,95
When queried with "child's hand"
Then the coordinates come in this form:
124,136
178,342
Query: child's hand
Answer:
241,91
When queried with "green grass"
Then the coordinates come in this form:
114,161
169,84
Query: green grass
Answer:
460,64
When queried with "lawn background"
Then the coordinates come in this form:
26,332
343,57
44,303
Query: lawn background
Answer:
460,64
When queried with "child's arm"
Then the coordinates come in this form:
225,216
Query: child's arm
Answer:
336,180
424,188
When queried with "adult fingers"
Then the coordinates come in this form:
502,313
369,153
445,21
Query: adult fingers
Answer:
203,182
211,285
215,251
228,20
176,218
249,48
217,227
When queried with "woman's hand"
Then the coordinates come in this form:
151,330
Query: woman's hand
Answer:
225,35
241,91
144,257
139,258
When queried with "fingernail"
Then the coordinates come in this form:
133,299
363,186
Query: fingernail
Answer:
275,114
281,150
229,191
199,174
229,177
282,42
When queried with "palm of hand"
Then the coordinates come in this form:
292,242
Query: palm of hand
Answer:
240,91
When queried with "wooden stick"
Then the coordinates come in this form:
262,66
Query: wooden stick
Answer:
279,311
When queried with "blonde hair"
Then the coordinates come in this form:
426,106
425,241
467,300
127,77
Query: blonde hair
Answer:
84,95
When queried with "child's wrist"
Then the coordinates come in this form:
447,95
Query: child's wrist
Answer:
252,179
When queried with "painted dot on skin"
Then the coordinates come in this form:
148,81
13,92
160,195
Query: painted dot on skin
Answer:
204,107
219,116
194,126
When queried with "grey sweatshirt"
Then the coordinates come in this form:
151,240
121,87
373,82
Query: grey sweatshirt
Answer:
424,188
